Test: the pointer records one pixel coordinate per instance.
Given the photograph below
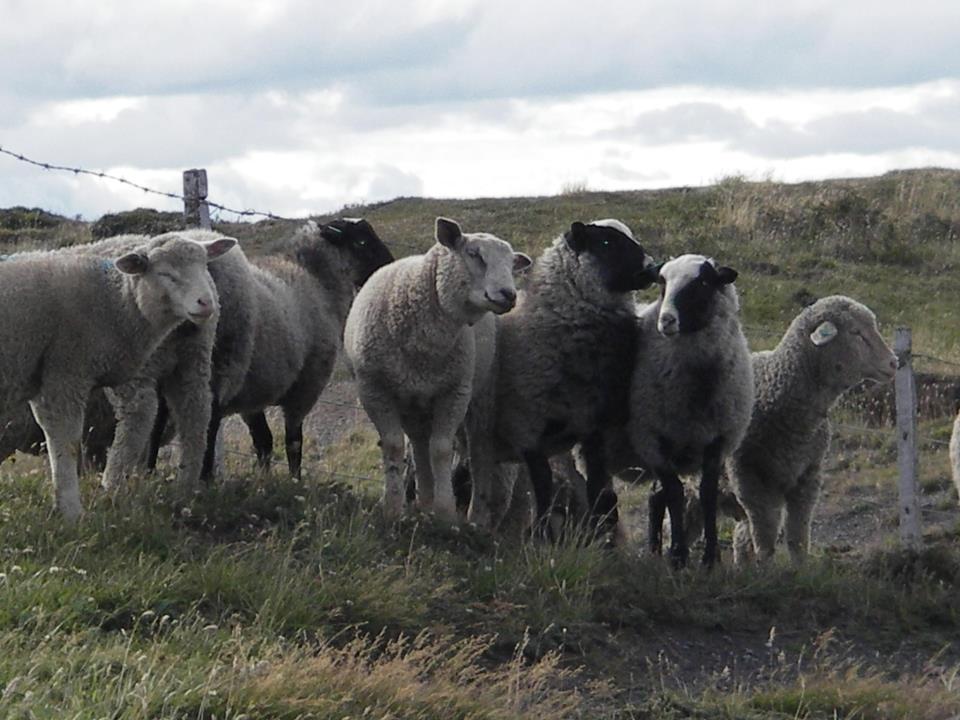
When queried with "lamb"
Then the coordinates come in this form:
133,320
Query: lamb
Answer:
692,393
411,339
181,367
301,304
71,323
829,347
564,360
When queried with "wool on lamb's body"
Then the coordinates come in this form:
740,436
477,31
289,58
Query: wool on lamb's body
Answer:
829,347
411,341
691,395
301,303
565,356
74,322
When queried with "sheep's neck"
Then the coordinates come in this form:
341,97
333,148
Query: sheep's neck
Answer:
804,389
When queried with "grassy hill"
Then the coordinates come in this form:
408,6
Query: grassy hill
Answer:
260,598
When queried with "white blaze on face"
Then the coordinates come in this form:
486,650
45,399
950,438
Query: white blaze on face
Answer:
676,275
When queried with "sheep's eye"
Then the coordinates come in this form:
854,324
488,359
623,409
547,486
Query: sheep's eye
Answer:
168,276
361,242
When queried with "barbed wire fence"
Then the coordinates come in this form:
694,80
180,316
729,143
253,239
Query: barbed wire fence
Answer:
904,430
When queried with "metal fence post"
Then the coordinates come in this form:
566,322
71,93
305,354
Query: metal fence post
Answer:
911,535
196,212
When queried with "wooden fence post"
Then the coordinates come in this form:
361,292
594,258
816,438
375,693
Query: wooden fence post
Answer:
911,535
196,212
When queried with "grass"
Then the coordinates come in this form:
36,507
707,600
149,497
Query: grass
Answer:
264,598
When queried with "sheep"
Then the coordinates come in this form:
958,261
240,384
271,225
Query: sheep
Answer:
691,395
71,323
829,347
181,368
955,453
564,360
411,340
301,304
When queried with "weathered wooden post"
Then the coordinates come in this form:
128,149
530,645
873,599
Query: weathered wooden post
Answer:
911,535
196,212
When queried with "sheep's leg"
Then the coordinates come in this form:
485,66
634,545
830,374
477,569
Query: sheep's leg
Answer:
449,412
801,502
656,510
600,492
156,435
135,406
541,477
293,442
742,543
261,436
709,490
420,447
385,418
190,400
673,496
62,423
764,509
210,452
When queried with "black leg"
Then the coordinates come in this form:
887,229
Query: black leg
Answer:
656,510
210,455
261,436
600,492
293,432
541,477
673,493
462,485
156,436
709,488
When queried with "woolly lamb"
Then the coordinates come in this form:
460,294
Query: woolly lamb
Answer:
301,306
71,323
692,392
828,348
411,342
565,358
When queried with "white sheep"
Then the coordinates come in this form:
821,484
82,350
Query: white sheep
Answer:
411,343
691,395
70,323
830,346
955,453
301,304
564,360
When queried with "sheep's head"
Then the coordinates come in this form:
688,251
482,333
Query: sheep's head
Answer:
610,250
489,263
171,279
693,290
846,342
365,251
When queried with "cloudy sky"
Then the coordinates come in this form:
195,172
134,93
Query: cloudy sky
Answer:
296,106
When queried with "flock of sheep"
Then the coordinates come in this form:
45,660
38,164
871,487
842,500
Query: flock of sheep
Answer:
471,381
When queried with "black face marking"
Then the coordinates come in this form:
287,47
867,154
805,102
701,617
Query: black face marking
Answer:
367,250
622,261
695,300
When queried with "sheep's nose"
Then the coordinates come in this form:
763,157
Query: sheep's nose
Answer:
509,296
668,324
204,308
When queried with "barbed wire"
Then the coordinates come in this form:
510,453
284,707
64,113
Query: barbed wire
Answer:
170,195
934,358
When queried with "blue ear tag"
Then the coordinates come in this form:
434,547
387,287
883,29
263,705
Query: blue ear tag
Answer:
825,332
106,265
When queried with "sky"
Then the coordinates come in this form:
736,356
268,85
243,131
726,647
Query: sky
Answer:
298,107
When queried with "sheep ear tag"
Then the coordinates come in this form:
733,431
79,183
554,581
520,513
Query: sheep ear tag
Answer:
825,332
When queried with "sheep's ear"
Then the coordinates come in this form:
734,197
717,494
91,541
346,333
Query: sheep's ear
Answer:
332,233
521,261
726,275
825,332
576,237
449,233
216,248
132,263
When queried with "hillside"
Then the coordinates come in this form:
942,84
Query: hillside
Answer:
261,598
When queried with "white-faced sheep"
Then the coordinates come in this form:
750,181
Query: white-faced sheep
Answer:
301,304
692,392
830,346
71,323
565,356
411,344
